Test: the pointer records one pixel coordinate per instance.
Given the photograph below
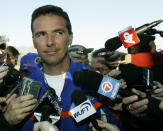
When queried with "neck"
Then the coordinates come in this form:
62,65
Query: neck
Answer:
58,69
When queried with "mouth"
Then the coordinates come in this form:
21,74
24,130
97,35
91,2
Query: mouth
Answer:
50,52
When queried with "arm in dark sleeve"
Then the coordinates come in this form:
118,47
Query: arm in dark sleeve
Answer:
4,125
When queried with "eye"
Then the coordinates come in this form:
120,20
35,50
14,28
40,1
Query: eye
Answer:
39,34
59,32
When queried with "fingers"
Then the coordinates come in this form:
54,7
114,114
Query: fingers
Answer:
36,127
2,99
10,98
161,105
140,93
135,107
123,85
28,105
19,108
114,73
128,100
107,126
24,98
157,90
158,84
138,111
44,126
138,107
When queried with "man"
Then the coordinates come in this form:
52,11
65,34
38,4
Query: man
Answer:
3,54
106,61
52,34
79,53
13,54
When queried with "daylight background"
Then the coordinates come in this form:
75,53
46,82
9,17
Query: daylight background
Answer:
93,21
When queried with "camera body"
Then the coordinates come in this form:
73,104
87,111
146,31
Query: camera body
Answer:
136,77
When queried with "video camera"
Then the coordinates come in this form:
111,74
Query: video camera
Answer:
140,78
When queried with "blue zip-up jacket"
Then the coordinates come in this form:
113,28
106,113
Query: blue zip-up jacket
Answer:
31,62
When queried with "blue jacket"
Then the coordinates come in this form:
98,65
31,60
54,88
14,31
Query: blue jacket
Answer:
31,62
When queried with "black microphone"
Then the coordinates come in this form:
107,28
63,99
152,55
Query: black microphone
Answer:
146,27
154,31
48,105
79,97
114,43
92,80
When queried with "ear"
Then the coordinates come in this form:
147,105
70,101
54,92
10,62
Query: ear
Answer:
70,39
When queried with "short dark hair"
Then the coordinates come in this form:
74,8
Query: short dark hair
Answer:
143,46
12,51
99,52
51,9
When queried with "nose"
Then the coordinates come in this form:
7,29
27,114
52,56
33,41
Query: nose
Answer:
50,40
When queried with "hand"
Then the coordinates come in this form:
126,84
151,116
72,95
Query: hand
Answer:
44,126
157,91
3,56
114,73
106,126
8,98
2,100
19,108
5,101
134,106
118,101
161,105
3,72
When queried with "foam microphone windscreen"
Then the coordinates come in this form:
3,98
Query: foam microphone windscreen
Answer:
78,97
89,79
113,44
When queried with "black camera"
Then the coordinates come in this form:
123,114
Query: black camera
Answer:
140,78
148,77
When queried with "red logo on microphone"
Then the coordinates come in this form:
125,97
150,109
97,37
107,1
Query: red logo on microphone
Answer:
107,87
128,37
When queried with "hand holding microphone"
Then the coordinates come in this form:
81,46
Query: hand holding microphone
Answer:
115,42
106,126
93,80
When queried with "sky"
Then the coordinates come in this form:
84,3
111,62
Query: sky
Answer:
93,21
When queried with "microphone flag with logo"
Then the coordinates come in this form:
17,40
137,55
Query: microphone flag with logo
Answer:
84,109
47,108
115,42
105,85
128,37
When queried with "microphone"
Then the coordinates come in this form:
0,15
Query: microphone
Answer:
47,108
114,43
146,27
80,100
154,31
92,80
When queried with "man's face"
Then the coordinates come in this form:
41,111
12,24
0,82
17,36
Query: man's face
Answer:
12,61
81,58
96,62
51,38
